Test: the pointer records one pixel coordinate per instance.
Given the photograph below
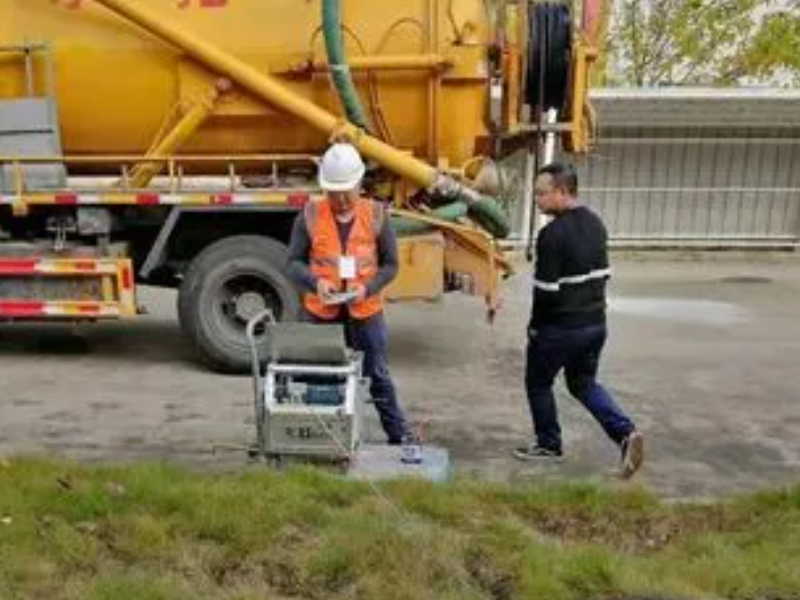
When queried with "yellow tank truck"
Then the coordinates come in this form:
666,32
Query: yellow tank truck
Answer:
171,143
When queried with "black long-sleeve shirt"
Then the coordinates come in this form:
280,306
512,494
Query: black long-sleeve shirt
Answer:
300,247
569,285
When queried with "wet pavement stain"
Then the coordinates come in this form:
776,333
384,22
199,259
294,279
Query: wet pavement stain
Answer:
700,312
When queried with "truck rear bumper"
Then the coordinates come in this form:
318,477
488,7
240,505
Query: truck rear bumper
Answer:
66,288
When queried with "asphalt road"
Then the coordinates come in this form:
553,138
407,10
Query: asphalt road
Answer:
703,353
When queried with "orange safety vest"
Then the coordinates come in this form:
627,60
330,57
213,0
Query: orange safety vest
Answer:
326,250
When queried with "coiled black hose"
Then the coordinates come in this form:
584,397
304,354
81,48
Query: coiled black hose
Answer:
549,55
549,58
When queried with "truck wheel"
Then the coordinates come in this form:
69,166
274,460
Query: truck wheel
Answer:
226,285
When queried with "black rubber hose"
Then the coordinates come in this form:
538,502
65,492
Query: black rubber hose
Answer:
550,32
549,56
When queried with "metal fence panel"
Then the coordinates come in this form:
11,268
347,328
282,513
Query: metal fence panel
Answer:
728,186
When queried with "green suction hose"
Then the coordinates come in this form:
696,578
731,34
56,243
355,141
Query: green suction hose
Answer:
340,70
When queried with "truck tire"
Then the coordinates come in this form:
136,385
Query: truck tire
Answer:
225,285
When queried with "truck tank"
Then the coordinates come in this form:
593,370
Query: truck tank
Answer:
115,84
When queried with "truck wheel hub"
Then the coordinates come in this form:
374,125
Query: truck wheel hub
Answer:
249,304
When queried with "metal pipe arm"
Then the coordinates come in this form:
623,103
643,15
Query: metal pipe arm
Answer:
384,62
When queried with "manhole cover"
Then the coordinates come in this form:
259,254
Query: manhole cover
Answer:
747,279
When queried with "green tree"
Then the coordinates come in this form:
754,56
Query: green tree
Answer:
704,42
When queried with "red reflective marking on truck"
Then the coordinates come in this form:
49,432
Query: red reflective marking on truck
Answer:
18,267
89,309
222,199
298,200
84,265
66,198
148,199
21,308
127,278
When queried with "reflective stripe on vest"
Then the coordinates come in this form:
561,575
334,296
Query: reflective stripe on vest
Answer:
326,250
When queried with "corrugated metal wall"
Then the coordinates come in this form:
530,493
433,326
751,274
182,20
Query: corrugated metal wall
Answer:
743,189
695,167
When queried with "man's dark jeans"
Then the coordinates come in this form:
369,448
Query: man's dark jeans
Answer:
371,337
577,351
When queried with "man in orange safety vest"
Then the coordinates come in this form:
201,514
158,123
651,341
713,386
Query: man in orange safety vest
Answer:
344,242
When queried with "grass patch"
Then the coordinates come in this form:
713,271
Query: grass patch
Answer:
154,531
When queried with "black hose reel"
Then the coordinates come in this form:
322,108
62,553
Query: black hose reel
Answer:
547,75
549,56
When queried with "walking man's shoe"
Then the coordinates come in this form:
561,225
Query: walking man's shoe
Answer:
536,452
632,454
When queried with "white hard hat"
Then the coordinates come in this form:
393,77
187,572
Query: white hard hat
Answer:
341,168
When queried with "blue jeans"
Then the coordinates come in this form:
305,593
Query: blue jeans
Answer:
577,351
371,337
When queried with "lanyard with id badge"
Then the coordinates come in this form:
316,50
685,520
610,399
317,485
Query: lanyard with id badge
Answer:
347,267
347,271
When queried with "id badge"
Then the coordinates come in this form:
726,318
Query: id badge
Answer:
347,267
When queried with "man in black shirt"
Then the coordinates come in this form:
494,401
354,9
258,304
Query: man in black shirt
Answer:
567,329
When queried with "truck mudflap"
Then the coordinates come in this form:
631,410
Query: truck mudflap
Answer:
66,288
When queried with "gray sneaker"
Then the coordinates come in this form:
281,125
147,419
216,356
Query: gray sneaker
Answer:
536,452
632,454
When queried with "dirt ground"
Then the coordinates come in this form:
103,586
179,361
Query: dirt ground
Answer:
703,353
